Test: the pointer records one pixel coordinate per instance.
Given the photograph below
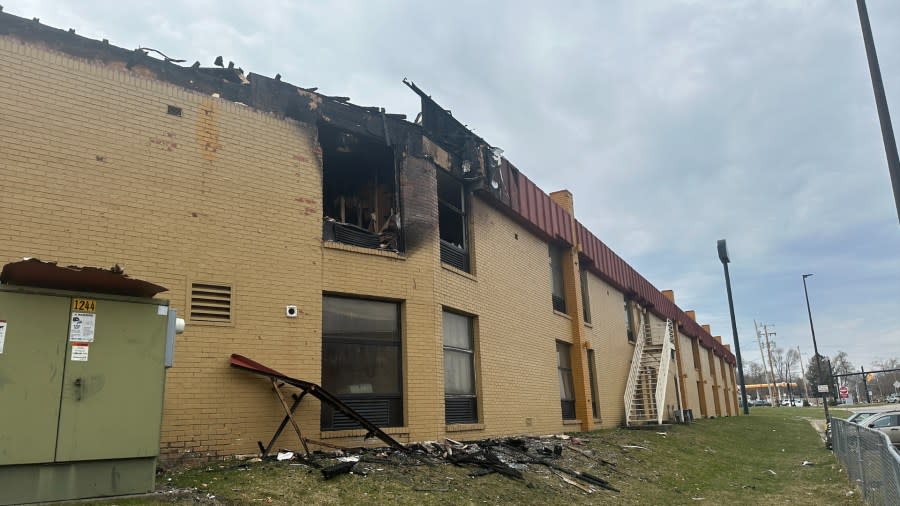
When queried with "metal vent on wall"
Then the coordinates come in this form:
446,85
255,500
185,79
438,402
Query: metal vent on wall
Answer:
384,412
460,410
210,302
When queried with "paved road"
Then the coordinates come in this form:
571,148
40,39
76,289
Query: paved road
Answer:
875,408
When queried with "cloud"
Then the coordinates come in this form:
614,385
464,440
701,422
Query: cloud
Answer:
675,123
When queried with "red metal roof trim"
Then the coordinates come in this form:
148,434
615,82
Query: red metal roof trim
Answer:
536,207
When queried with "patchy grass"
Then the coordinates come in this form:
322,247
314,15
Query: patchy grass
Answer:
744,460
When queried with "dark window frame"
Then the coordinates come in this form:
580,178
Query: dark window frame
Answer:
592,377
567,404
468,402
557,278
393,401
453,254
629,322
585,296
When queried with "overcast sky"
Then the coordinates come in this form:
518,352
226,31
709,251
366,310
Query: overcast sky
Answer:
675,123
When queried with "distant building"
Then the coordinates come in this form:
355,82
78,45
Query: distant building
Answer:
435,288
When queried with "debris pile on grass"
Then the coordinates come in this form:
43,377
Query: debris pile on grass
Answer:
512,457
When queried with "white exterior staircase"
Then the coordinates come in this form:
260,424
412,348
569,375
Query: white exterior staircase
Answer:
645,392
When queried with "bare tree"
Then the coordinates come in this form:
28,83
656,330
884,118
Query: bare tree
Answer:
841,363
884,381
784,362
755,373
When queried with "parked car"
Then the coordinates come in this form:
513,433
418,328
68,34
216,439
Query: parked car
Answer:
860,416
893,398
792,402
888,422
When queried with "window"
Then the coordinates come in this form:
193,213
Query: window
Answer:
585,296
210,303
556,274
886,421
460,401
362,361
695,350
452,221
566,383
629,321
360,201
591,365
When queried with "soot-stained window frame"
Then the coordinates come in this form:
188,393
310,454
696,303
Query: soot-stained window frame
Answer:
360,190
455,249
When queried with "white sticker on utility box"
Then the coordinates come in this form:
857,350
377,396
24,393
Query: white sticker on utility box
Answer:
80,351
81,327
2,334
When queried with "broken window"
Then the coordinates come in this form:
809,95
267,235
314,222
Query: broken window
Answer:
362,361
593,378
359,190
556,274
566,383
585,296
452,220
460,400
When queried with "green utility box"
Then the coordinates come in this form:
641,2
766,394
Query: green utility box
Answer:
82,377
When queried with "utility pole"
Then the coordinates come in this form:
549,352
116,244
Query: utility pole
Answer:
803,375
884,115
866,385
812,330
771,361
762,355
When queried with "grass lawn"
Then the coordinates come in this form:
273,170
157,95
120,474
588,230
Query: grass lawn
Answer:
738,460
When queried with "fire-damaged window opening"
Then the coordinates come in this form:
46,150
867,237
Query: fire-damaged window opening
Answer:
453,222
556,274
362,361
566,383
360,199
460,399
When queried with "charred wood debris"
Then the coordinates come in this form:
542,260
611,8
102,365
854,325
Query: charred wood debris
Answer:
511,457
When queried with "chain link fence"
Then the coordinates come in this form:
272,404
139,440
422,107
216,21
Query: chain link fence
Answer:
869,458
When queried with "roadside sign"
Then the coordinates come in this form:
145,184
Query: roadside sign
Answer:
823,389
844,392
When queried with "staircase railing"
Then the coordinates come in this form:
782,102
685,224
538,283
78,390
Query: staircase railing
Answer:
662,379
633,374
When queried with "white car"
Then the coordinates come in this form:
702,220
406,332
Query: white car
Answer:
796,402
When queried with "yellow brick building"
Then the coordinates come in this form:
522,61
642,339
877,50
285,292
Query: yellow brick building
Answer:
434,287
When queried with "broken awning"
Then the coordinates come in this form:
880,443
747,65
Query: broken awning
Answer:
34,272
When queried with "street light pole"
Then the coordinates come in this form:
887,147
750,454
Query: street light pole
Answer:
816,351
723,256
